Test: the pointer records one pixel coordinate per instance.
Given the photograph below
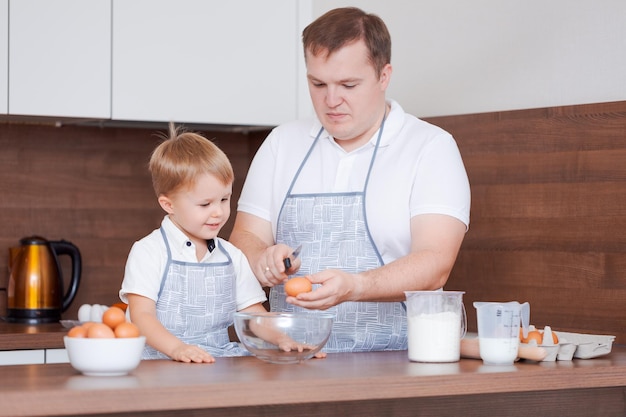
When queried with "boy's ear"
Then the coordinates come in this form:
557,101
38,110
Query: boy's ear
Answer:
166,204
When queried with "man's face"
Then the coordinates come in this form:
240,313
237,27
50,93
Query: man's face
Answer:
348,97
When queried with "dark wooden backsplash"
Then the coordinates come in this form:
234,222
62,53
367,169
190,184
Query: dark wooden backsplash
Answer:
548,216
548,220
90,186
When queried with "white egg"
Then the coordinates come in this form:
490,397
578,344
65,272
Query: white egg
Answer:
96,313
103,308
84,313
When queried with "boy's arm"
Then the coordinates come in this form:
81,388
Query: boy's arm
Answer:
143,314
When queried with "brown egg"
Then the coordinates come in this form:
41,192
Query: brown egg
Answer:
533,335
121,305
100,330
77,331
297,285
126,329
113,316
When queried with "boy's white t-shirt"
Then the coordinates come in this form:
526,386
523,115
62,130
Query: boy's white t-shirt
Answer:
147,260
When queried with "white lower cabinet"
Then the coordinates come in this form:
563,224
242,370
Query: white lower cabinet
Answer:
22,357
57,356
33,356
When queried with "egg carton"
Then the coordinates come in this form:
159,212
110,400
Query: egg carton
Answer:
587,346
552,351
560,351
577,345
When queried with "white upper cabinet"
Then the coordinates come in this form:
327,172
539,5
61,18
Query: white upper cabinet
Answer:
60,58
198,61
4,56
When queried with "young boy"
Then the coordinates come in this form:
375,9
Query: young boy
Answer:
182,282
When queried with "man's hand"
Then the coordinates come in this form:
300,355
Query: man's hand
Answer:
336,287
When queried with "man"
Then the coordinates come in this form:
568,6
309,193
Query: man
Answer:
378,199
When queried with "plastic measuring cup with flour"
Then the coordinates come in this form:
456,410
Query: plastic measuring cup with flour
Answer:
436,325
498,330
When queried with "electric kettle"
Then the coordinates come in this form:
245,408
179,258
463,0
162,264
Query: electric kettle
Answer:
36,287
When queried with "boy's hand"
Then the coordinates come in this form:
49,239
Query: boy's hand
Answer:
287,344
320,355
189,353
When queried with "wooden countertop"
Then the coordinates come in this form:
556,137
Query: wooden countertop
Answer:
377,383
15,336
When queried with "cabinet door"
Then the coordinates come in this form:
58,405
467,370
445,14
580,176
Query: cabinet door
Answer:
4,55
22,357
198,61
60,58
57,356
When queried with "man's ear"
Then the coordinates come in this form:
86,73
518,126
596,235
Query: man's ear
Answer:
385,76
166,204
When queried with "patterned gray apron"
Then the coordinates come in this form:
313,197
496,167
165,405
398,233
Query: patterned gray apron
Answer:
333,231
196,304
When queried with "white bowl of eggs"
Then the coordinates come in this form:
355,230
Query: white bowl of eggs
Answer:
110,348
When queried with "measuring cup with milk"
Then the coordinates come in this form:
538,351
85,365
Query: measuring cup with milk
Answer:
498,330
436,325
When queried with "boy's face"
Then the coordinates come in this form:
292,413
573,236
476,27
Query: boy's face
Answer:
201,210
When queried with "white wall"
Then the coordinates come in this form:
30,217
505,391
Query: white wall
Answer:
457,57
4,56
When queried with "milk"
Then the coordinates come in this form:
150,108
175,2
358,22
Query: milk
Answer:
498,351
435,337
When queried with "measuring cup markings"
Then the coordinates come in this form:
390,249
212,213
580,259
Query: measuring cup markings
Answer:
498,330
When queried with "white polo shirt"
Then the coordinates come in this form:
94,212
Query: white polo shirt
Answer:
418,170
147,260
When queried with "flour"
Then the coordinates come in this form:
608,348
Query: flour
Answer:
435,337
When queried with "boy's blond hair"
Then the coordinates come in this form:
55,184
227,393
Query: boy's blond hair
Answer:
182,157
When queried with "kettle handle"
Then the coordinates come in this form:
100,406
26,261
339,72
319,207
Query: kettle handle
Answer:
63,247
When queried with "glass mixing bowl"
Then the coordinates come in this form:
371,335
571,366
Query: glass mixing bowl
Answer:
283,337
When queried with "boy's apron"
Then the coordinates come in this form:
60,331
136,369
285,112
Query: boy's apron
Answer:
196,304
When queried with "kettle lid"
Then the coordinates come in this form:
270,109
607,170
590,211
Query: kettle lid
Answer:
33,240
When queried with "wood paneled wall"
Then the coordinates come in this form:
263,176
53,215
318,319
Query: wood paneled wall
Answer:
548,216
548,220
90,186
